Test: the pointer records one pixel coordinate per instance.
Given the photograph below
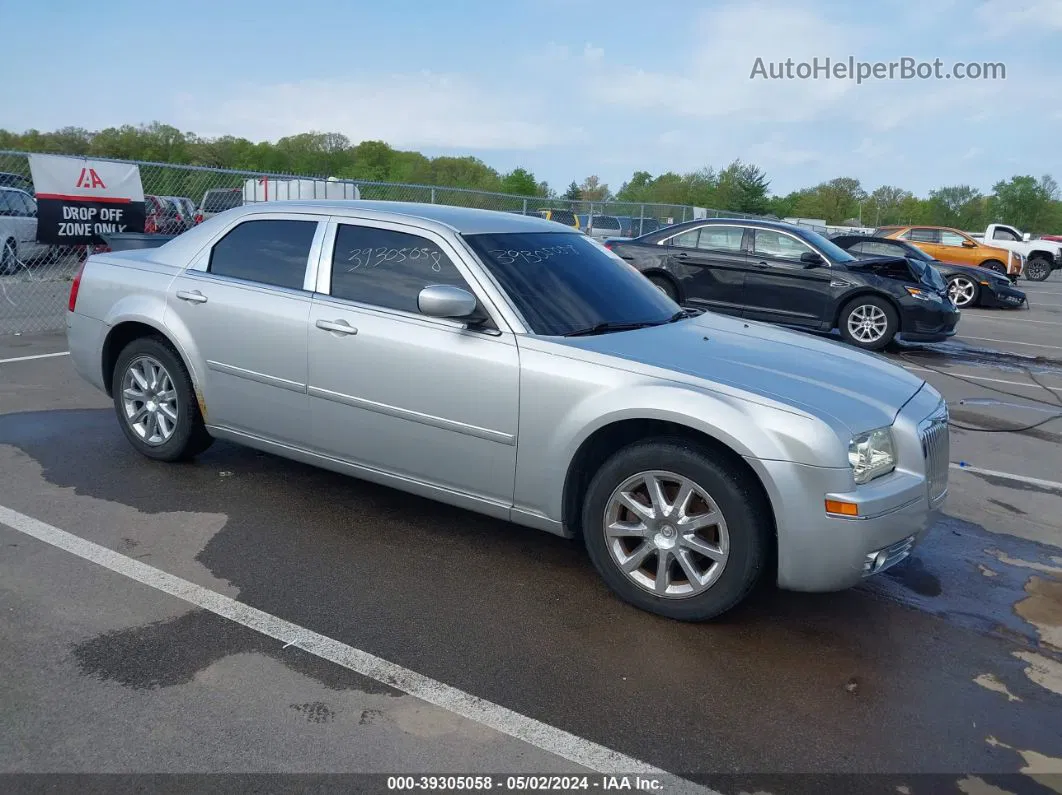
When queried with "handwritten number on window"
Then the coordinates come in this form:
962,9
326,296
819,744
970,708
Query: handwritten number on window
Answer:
368,258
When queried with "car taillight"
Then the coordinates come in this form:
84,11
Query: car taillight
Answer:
74,287
199,218
150,227
608,245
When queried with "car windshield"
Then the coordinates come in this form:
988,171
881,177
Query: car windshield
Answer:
220,200
564,282
832,251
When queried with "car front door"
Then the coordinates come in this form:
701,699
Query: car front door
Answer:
711,264
391,389
243,306
782,288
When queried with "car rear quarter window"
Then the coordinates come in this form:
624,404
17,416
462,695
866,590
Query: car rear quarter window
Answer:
388,269
270,251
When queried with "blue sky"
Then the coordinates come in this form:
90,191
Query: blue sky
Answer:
566,88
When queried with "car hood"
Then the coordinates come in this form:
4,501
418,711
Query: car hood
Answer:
822,377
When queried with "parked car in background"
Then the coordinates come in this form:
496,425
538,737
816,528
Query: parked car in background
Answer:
600,227
560,216
792,275
1042,256
951,245
218,200
635,226
968,285
10,180
185,211
515,367
18,230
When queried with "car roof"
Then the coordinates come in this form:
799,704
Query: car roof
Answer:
463,220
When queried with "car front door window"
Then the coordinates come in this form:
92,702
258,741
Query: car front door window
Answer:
387,268
951,239
777,245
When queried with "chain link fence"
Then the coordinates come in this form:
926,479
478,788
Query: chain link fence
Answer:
35,278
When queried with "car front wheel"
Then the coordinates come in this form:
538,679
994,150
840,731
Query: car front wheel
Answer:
673,532
962,291
1037,269
869,322
156,402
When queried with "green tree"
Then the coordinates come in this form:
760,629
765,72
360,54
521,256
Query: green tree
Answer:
573,193
521,182
742,187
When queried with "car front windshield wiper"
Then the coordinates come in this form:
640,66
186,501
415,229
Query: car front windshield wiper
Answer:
608,326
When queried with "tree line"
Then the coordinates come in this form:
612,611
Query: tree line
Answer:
1028,202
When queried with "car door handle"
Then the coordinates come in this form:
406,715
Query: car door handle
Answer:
338,326
682,255
194,296
763,265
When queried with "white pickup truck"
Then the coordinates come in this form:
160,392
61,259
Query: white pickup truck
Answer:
1042,256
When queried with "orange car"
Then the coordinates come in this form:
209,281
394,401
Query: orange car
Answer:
951,245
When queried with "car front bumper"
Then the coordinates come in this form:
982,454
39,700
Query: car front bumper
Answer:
1002,296
819,551
928,322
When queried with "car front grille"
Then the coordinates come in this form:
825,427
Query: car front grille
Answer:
936,448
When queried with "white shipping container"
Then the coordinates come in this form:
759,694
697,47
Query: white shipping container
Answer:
267,189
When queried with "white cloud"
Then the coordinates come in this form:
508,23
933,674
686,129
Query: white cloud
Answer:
1000,18
422,109
717,79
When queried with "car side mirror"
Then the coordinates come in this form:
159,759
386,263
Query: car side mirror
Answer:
444,300
1027,237
968,244
811,259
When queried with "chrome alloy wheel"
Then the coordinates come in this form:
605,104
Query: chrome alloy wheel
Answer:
149,400
666,534
961,291
867,323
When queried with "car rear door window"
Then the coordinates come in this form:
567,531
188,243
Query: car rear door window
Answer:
721,238
686,239
268,251
388,269
922,235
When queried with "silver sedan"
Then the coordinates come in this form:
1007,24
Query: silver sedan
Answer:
514,367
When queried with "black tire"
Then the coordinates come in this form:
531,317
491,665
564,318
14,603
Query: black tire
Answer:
743,507
9,258
189,435
857,304
1037,269
995,265
958,300
665,285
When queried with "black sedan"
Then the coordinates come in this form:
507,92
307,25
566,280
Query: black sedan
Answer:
786,274
968,285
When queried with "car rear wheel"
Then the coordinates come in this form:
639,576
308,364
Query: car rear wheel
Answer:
869,322
1037,269
673,532
963,291
995,265
665,285
156,402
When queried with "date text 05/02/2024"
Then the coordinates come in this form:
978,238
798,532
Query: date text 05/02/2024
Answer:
518,783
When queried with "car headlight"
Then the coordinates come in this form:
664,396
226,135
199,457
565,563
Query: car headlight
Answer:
924,295
872,455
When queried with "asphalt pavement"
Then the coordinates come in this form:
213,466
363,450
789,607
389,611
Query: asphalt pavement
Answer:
326,625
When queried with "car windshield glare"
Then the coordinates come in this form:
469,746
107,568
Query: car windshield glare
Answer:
564,282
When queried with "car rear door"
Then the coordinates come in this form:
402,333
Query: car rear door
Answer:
780,288
243,306
396,391
928,240
710,263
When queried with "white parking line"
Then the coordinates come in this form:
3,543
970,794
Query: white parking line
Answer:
1047,484
578,750
35,356
1012,342
1010,320
1029,384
